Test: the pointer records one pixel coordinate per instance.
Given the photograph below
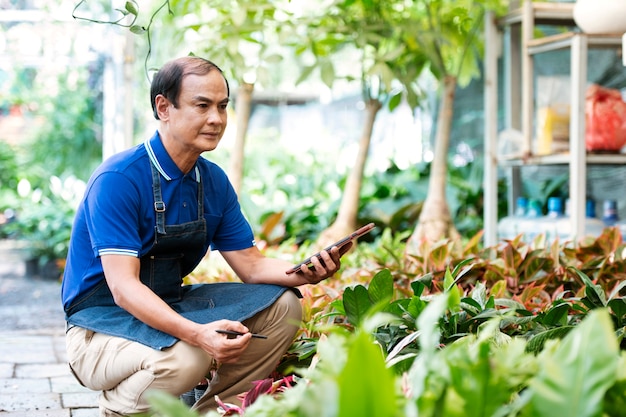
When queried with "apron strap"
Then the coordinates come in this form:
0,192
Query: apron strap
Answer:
200,195
159,204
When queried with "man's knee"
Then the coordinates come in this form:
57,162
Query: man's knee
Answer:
284,317
290,304
182,369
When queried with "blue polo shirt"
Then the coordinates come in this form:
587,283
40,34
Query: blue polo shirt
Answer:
117,216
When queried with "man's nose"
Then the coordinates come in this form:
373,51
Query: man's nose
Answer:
214,116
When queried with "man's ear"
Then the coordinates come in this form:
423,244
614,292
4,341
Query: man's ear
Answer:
162,106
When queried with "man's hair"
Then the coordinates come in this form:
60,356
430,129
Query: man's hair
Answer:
168,79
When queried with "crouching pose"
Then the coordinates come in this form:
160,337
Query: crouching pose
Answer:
148,217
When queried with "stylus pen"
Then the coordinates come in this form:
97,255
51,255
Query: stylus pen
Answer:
235,333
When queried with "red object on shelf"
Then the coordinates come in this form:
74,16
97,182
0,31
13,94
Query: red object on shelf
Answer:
605,112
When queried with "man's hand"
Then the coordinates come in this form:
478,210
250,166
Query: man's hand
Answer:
255,268
330,263
223,348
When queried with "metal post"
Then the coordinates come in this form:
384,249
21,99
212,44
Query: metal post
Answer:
578,166
491,130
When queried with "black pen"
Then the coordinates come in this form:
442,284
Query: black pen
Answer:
236,333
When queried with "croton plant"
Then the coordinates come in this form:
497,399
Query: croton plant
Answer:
512,330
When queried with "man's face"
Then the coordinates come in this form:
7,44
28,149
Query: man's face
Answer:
199,122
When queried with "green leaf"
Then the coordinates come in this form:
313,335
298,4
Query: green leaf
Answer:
471,306
421,283
398,307
458,271
131,8
593,293
395,101
556,315
337,304
428,324
618,306
167,405
488,314
615,400
381,287
574,378
418,288
454,301
305,73
274,58
416,306
327,73
615,292
479,389
538,341
356,302
510,304
491,303
479,294
400,345
366,386
137,30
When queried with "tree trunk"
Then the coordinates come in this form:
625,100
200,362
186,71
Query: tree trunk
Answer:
243,106
435,222
346,221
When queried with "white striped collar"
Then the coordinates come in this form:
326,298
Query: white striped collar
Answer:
155,160
153,155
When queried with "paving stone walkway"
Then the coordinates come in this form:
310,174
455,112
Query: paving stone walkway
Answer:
35,380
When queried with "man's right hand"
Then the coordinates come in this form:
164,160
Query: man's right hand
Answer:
221,347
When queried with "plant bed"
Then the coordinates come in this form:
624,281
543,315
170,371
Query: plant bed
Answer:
512,330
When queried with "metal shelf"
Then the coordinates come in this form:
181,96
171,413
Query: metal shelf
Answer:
565,159
565,41
516,31
542,13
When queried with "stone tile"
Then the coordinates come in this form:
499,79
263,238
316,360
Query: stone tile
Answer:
6,370
80,399
40,413
29,402
42,370
85,412
66,384
59,348
23,385
26,349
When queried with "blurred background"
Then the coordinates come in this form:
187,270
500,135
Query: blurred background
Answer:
74,81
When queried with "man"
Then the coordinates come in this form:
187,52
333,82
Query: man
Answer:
148,217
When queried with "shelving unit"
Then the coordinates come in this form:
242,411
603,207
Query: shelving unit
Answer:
515,32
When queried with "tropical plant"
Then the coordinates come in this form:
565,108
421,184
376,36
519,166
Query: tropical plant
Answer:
67,142
44,218
481,374
368,31
8,185
533,294
447,33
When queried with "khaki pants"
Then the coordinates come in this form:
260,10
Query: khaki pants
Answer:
124,371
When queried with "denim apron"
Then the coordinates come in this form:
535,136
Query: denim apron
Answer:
176,251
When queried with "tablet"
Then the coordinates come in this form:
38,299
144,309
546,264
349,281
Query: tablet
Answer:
354,235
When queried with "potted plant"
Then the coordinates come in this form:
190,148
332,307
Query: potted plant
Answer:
43,223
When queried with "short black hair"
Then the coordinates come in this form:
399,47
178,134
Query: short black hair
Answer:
168,79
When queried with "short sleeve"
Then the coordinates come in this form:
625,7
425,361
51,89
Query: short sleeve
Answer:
113,212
